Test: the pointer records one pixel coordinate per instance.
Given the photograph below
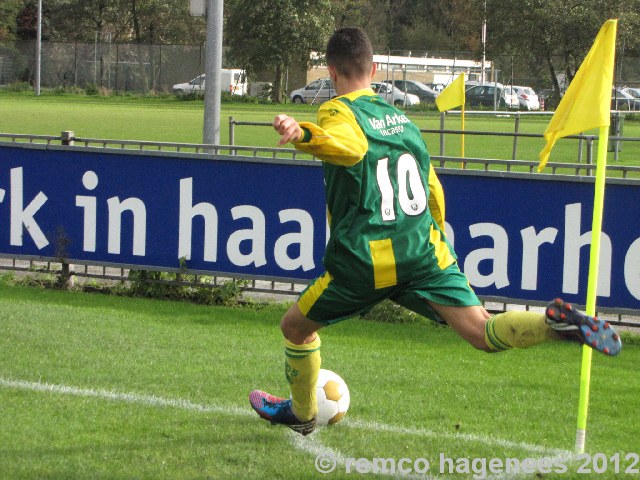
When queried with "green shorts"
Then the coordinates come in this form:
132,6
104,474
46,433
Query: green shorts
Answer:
327,301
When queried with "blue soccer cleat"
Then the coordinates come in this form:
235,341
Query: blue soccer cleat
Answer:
278,411
591,331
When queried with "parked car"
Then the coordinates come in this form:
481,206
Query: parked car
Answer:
232,80
527,98
394,95
424,93
316,92
634,92
484,95
194,86
621,100
510,97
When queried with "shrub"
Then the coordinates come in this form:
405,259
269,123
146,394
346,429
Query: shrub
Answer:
18,86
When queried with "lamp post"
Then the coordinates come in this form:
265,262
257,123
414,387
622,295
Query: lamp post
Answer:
213,79
38,47
484,43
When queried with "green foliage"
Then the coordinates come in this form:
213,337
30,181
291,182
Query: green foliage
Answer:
68,89
139,21
274,35
19,87
390,312
554,36
182,286
8,12
91,89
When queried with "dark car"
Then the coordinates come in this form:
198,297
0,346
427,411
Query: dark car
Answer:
424,93
483,95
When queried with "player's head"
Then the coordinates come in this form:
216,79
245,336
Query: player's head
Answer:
349,52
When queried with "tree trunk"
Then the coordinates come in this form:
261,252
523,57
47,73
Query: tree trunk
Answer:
552,74
276,92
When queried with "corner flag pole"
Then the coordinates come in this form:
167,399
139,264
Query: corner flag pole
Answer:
592,284
462,136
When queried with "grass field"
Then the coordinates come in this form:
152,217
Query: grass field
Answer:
169,119
102,387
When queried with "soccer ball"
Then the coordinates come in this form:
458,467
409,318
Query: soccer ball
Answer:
333,397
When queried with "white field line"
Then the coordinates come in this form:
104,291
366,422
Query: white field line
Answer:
311,444
388,467
148,400
464,437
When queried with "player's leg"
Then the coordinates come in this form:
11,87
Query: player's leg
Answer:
447,297
302,361
494,333
515,329
322,303
302,364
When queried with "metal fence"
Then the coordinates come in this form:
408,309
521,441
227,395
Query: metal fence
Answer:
584,153
117,67
257,287
144,67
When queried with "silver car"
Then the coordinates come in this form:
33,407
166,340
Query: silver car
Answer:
316,92
527,98
194,86
394,95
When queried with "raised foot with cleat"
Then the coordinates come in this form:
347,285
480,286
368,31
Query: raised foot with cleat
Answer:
278,411
570,322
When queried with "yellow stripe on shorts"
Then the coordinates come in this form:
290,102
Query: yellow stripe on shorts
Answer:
384,263
443,254
309,297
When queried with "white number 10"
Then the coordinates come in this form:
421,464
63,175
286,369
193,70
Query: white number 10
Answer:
412,195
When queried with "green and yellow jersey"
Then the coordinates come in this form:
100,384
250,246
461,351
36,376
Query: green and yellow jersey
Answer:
385,202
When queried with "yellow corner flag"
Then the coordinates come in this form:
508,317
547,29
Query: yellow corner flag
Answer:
452,96
587,102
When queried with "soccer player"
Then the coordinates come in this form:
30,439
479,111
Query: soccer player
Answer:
386,215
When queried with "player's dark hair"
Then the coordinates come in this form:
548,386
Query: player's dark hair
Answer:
349,51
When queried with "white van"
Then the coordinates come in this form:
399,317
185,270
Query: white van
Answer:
233,81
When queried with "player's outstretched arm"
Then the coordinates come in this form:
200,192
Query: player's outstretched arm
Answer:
288,129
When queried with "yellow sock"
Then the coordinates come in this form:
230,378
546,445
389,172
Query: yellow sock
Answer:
516,329
302,364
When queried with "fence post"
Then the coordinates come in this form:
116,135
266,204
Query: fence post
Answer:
442,134
617,132
67,137
232,134
590,153
580,143
514,156
67,275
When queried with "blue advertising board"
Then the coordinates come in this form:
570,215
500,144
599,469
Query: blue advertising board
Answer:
517,236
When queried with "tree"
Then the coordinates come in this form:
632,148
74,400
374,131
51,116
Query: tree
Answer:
556,34
8,13
272,36
136,21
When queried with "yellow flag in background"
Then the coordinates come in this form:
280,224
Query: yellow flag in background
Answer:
587,102
452,96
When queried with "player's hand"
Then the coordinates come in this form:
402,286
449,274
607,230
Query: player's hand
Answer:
288,129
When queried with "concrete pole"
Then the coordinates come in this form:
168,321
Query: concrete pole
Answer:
213,65
483,72
38,48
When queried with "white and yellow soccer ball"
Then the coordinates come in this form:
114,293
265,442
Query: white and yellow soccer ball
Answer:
333,397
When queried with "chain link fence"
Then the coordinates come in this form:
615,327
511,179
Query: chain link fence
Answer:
116,67
144,68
